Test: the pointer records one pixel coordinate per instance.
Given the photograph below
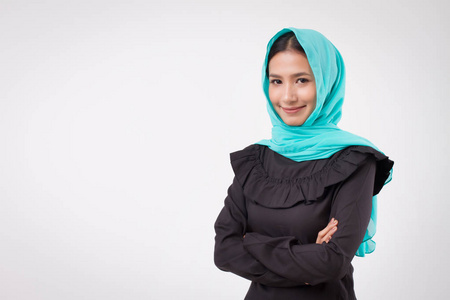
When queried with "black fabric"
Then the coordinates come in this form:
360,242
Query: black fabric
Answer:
280,205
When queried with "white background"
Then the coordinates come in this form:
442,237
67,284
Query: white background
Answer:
117,118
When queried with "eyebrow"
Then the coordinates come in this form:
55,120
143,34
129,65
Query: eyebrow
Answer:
293,75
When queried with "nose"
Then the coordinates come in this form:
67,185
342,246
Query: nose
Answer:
289,94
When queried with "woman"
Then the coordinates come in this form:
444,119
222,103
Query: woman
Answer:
279,227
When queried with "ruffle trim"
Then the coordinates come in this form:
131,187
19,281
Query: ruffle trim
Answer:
286,192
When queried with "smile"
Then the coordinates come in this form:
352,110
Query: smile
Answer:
292,110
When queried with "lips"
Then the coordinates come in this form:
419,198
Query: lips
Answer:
292,110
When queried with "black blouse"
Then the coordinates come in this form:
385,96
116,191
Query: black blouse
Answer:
280,206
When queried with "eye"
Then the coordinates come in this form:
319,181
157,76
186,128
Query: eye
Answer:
302,80
275,81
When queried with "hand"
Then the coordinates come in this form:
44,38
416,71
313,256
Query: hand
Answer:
325,234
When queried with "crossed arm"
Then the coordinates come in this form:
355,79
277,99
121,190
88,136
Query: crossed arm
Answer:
282,261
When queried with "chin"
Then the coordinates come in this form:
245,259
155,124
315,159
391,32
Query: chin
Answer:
294,123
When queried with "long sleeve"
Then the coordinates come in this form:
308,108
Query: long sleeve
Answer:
230,254
318,263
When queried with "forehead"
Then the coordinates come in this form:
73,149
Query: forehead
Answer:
286,62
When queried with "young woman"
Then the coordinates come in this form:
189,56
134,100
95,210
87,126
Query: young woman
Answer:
302,204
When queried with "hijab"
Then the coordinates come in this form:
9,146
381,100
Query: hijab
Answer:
319,137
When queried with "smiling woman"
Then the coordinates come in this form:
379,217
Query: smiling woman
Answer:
292,89
279,225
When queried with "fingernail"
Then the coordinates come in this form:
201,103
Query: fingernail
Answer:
332,220
334,228
335,222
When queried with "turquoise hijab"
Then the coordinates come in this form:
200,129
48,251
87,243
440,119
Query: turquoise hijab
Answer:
319,137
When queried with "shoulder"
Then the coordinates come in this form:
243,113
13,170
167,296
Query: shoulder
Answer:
364,157
246,152
262,172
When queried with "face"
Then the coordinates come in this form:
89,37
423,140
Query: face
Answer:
292,87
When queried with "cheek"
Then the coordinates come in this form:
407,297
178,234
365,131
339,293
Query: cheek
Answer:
309,94
272,95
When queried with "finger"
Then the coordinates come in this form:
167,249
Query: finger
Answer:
329,235
325,234
333,222
330,225
326,237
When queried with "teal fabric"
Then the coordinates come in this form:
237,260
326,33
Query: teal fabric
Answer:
319,137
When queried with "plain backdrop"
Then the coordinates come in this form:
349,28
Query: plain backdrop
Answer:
117,119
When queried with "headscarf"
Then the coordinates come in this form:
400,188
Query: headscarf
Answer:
319,137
